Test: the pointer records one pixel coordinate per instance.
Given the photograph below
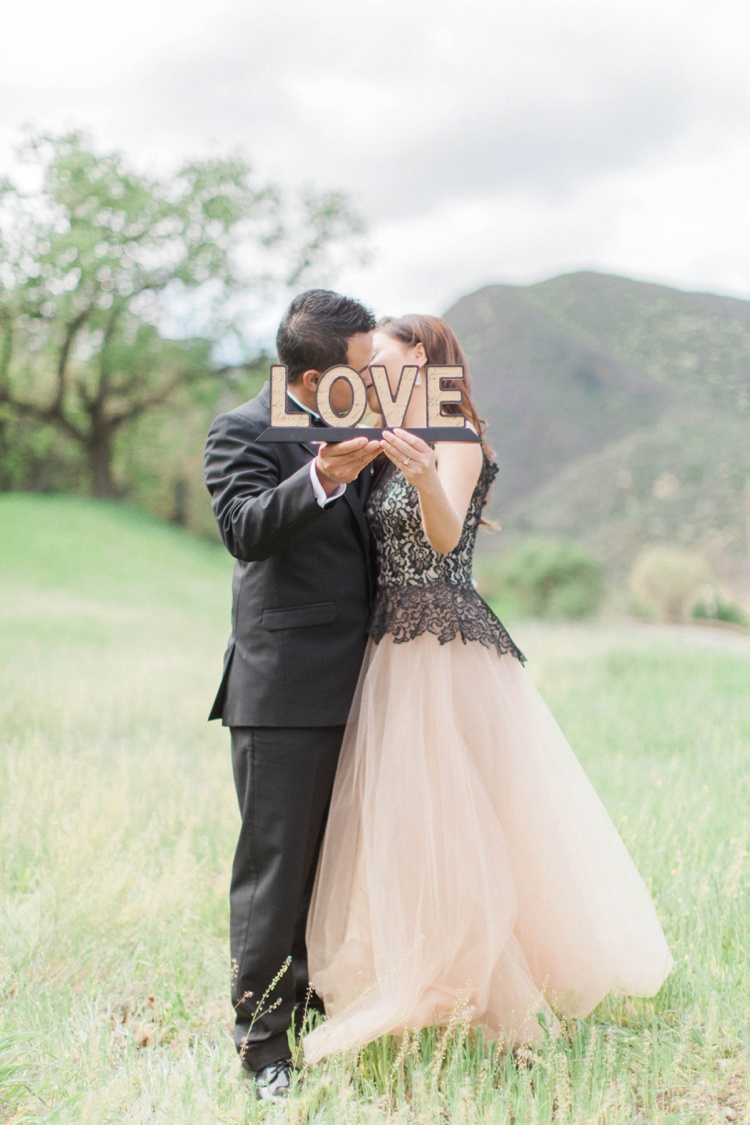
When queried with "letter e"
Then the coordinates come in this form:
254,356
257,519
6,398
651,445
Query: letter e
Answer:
437,396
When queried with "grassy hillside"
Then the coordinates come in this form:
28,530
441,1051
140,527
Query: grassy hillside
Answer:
103,551
119,820
680,480
696,343
619,410
128,595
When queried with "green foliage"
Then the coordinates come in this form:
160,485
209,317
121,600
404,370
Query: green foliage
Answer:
163,460
102,266
34,459
544,578
119,822
717,608
665,580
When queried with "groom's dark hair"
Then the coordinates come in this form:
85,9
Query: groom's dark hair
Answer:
316,329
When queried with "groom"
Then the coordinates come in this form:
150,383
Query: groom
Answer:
292,516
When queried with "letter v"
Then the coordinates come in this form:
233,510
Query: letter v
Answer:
393,408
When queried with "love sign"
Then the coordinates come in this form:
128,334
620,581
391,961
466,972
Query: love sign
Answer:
293,425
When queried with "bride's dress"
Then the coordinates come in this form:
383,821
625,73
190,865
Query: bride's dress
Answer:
469,869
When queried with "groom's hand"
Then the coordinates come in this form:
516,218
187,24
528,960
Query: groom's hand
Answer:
339,463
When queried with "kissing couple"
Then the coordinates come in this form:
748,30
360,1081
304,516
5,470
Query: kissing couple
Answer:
417,835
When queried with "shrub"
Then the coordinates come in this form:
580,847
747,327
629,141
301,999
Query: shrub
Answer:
546,578
666,580
715,608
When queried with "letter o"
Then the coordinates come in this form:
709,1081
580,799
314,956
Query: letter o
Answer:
323,396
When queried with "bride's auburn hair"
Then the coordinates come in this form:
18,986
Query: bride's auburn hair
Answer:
441,347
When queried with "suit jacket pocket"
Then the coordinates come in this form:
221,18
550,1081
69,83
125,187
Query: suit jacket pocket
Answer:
299,616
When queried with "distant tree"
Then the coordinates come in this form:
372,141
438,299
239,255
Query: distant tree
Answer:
97,265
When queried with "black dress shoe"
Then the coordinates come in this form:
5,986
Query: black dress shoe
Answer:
272,1082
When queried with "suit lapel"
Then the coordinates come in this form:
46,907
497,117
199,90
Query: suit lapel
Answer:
351,493
352,497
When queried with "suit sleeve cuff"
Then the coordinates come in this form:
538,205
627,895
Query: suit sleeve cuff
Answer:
320,493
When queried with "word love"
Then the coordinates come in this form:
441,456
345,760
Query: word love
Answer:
393,406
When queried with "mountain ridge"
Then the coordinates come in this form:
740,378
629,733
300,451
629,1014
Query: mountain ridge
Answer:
587,379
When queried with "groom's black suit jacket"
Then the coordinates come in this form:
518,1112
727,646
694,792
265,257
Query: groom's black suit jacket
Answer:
302,581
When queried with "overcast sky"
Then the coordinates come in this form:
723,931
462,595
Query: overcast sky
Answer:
484,142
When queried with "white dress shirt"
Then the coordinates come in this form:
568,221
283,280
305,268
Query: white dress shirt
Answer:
320,493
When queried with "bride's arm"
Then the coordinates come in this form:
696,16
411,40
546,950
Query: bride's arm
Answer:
445,479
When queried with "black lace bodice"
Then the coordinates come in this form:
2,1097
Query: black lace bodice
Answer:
421,591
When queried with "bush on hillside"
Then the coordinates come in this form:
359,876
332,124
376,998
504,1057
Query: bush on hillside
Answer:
717,608
666,581
545,578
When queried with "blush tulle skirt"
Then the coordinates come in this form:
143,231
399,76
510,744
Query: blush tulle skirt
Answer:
469,868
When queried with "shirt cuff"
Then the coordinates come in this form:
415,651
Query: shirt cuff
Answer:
320,492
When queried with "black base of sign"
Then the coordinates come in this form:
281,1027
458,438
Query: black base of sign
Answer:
311,434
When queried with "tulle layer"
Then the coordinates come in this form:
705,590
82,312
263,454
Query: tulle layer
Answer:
469,867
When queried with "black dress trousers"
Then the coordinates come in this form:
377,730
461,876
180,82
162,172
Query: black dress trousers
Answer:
301,595
284,777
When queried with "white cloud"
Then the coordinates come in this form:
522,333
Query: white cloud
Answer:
84,44
486,142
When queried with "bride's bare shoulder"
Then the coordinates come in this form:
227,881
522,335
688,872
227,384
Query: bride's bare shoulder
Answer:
462,459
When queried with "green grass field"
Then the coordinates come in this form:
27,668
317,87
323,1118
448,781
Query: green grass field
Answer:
118,820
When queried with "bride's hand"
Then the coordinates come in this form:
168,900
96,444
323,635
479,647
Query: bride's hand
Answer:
414,457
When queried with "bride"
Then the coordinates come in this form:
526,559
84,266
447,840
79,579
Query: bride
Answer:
468,864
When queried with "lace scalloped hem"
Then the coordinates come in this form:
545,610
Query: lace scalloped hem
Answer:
443,609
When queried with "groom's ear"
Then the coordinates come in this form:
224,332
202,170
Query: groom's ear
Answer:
309,380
